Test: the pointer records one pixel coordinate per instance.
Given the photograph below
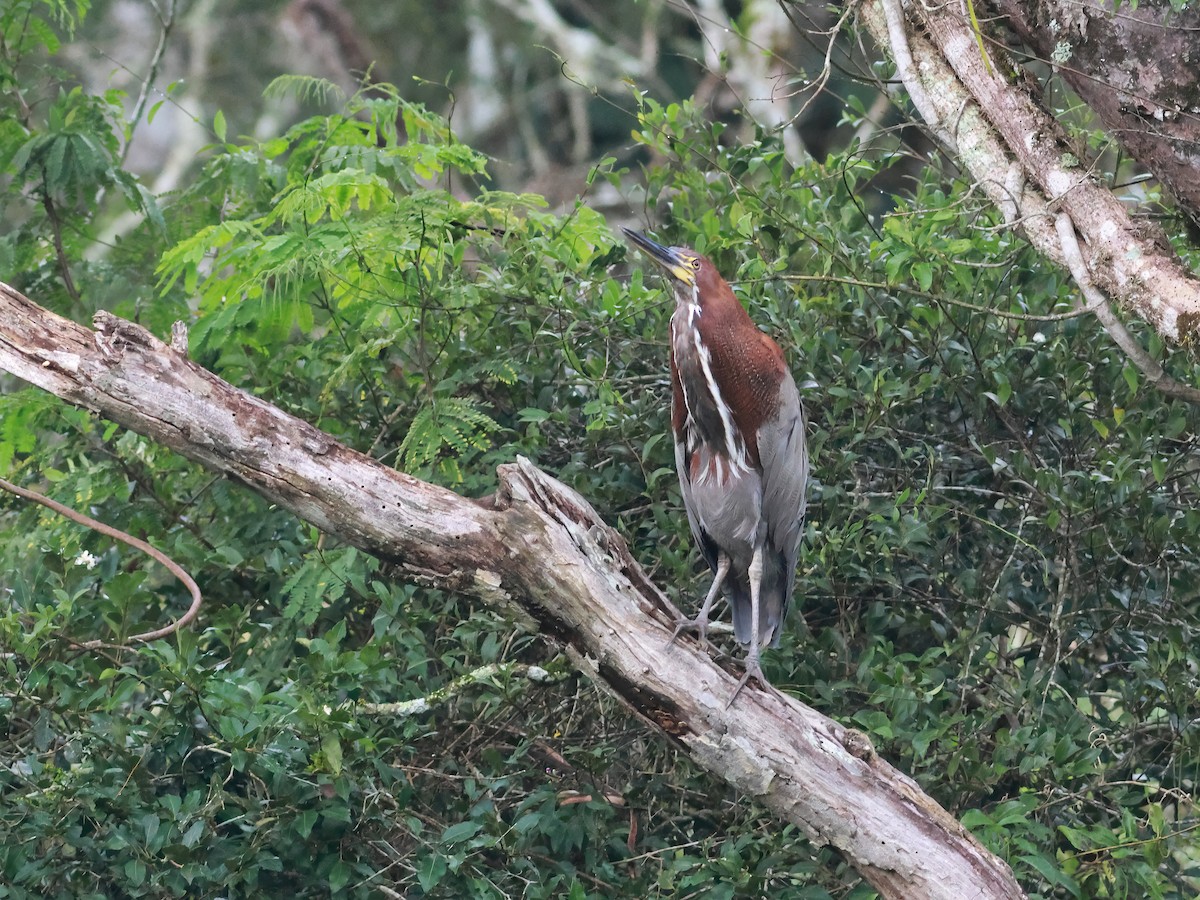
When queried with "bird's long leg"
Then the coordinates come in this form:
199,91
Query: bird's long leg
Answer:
753,669
700,623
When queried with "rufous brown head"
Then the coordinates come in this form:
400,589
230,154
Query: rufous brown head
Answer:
694,279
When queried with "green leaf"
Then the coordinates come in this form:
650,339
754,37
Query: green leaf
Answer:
1129,372
430,872
331,750
191,837
339,876
150,824
1052,873
460,832
135,871
304,822
923,272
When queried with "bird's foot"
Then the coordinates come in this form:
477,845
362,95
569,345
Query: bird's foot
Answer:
698,625
753,670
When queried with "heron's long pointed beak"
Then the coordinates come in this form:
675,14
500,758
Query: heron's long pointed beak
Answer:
667,257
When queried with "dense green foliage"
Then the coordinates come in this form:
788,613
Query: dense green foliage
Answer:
999,581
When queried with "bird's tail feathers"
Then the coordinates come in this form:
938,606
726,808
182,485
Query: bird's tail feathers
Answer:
771,613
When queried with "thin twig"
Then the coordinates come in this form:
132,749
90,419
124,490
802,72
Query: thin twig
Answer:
167,21
817,85
927,295
129,539
64,267
902,56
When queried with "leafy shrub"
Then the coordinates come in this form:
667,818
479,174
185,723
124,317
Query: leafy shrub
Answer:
998,580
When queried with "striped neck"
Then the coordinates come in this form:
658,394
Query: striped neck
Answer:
709,421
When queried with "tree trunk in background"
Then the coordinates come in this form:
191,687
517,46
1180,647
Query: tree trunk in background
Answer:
1021,156
1138,68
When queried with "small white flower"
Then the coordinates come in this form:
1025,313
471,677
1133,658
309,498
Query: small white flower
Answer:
327,709
87,559
1039,338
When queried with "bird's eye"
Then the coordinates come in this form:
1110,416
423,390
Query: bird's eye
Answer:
696,264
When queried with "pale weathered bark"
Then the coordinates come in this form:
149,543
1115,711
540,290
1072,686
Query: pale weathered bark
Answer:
539,550
1137,65
1021,157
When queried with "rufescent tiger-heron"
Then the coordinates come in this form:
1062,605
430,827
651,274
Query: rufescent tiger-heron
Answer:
739,449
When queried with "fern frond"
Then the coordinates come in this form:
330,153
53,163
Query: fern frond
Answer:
305,88
502,370
451,424
322,578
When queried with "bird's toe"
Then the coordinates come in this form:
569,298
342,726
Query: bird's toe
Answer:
753,670
699,626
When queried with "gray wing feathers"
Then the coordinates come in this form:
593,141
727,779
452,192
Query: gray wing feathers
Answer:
726,515
783,454
685,487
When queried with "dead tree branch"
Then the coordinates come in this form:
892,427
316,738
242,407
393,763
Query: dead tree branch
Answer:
538,550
